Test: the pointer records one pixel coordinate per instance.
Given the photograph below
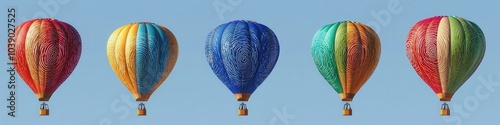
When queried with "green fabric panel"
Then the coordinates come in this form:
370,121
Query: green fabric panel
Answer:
341,51
466,51
323,55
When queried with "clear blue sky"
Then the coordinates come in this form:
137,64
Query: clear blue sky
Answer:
192,94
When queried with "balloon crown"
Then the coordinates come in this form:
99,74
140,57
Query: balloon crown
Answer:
142,23
348,21
448,16
244,21
46,19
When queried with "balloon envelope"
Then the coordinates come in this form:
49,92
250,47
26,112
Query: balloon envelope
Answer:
47,52
346,54
445,51
142,55
242,54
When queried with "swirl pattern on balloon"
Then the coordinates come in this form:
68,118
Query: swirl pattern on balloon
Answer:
242,54
48,51
346,54
445,51
142,56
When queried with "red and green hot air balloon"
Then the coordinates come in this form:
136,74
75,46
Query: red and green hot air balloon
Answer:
47,52
445,51
346,54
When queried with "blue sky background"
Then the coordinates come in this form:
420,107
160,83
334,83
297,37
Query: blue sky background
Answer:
294,94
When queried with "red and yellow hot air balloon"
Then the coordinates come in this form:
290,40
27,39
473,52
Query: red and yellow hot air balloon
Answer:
346,54
47,52
445,51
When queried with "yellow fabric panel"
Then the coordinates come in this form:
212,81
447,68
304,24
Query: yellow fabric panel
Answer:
116,55
130,52
31,45
443,54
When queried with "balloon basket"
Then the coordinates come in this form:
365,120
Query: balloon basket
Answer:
44,112
347,111
44,109
242,110
141,110
445,110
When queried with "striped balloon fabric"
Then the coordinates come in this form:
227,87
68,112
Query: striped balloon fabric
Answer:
242,54
346,54
142,55
445,51
47,52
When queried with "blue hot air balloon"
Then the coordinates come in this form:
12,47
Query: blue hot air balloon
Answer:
242,54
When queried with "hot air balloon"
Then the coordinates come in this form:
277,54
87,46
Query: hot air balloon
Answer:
445,51
142,55
346,54
242,54
47,52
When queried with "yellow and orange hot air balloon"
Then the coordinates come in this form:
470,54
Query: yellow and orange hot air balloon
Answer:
142,55
346,54
47,52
